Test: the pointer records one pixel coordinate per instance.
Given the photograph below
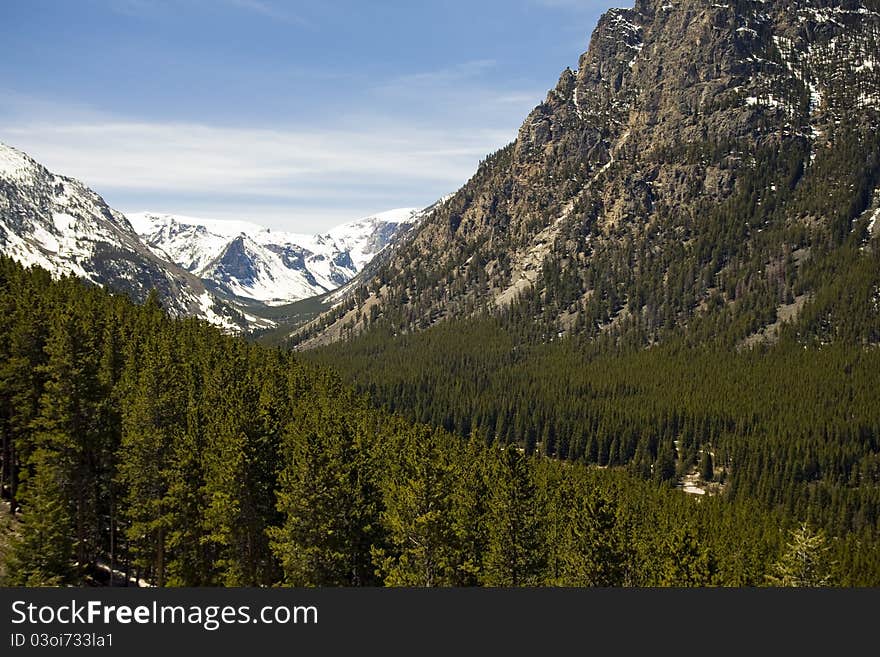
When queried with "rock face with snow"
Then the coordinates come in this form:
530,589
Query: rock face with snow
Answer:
59,224
246,261
697,167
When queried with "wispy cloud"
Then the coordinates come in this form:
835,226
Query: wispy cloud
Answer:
270,11
450,74
168,8
274,162
303,170
464,94
572,5
410,139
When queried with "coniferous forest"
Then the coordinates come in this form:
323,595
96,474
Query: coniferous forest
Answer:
162,449
637,348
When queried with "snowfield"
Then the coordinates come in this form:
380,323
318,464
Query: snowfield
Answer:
250,261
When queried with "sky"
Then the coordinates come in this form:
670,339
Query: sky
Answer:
295,114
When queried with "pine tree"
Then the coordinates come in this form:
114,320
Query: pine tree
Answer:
418,515
707,468
593,552
469,510
149,426
233,516
21,381
328,498
805,562
42,554
685,560
515,553
664,467
66,435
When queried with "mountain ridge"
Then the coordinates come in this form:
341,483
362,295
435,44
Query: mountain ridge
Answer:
246,260
58,223
229,273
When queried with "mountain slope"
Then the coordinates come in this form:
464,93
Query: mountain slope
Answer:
707,169
59,224
246,261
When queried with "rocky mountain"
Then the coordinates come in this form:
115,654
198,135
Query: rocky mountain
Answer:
57,223
246,261
710,169
226,272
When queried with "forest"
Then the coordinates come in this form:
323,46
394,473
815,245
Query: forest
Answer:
136,446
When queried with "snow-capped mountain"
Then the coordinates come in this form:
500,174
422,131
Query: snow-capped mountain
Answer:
59,224
247,261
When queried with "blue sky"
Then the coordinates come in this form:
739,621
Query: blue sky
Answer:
297,115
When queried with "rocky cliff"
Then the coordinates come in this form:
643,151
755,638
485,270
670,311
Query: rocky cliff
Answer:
708,167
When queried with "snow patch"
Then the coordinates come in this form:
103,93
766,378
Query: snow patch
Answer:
206,305
15,165
63,222
872,222
764,101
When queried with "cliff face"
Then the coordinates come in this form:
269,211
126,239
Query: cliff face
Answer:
695,165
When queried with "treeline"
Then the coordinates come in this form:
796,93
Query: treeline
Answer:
171,452
794,428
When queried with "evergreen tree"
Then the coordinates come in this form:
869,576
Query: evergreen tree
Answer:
664,466
515,554
329,501
66,435
470,497
42,554
805,562
237,492
418,515
593,553
707,468
149,431
685,560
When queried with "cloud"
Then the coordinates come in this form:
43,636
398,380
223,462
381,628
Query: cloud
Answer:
447,75
279,163
166,9
269,11
406,142
573,5
308,171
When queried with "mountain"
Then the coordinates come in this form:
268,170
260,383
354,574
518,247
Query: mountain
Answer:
226,272
709,170
246,261
59,224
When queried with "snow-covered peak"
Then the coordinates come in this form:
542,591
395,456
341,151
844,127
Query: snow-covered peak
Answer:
365,238
15,165
149,222
61,225
396,216
250,261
